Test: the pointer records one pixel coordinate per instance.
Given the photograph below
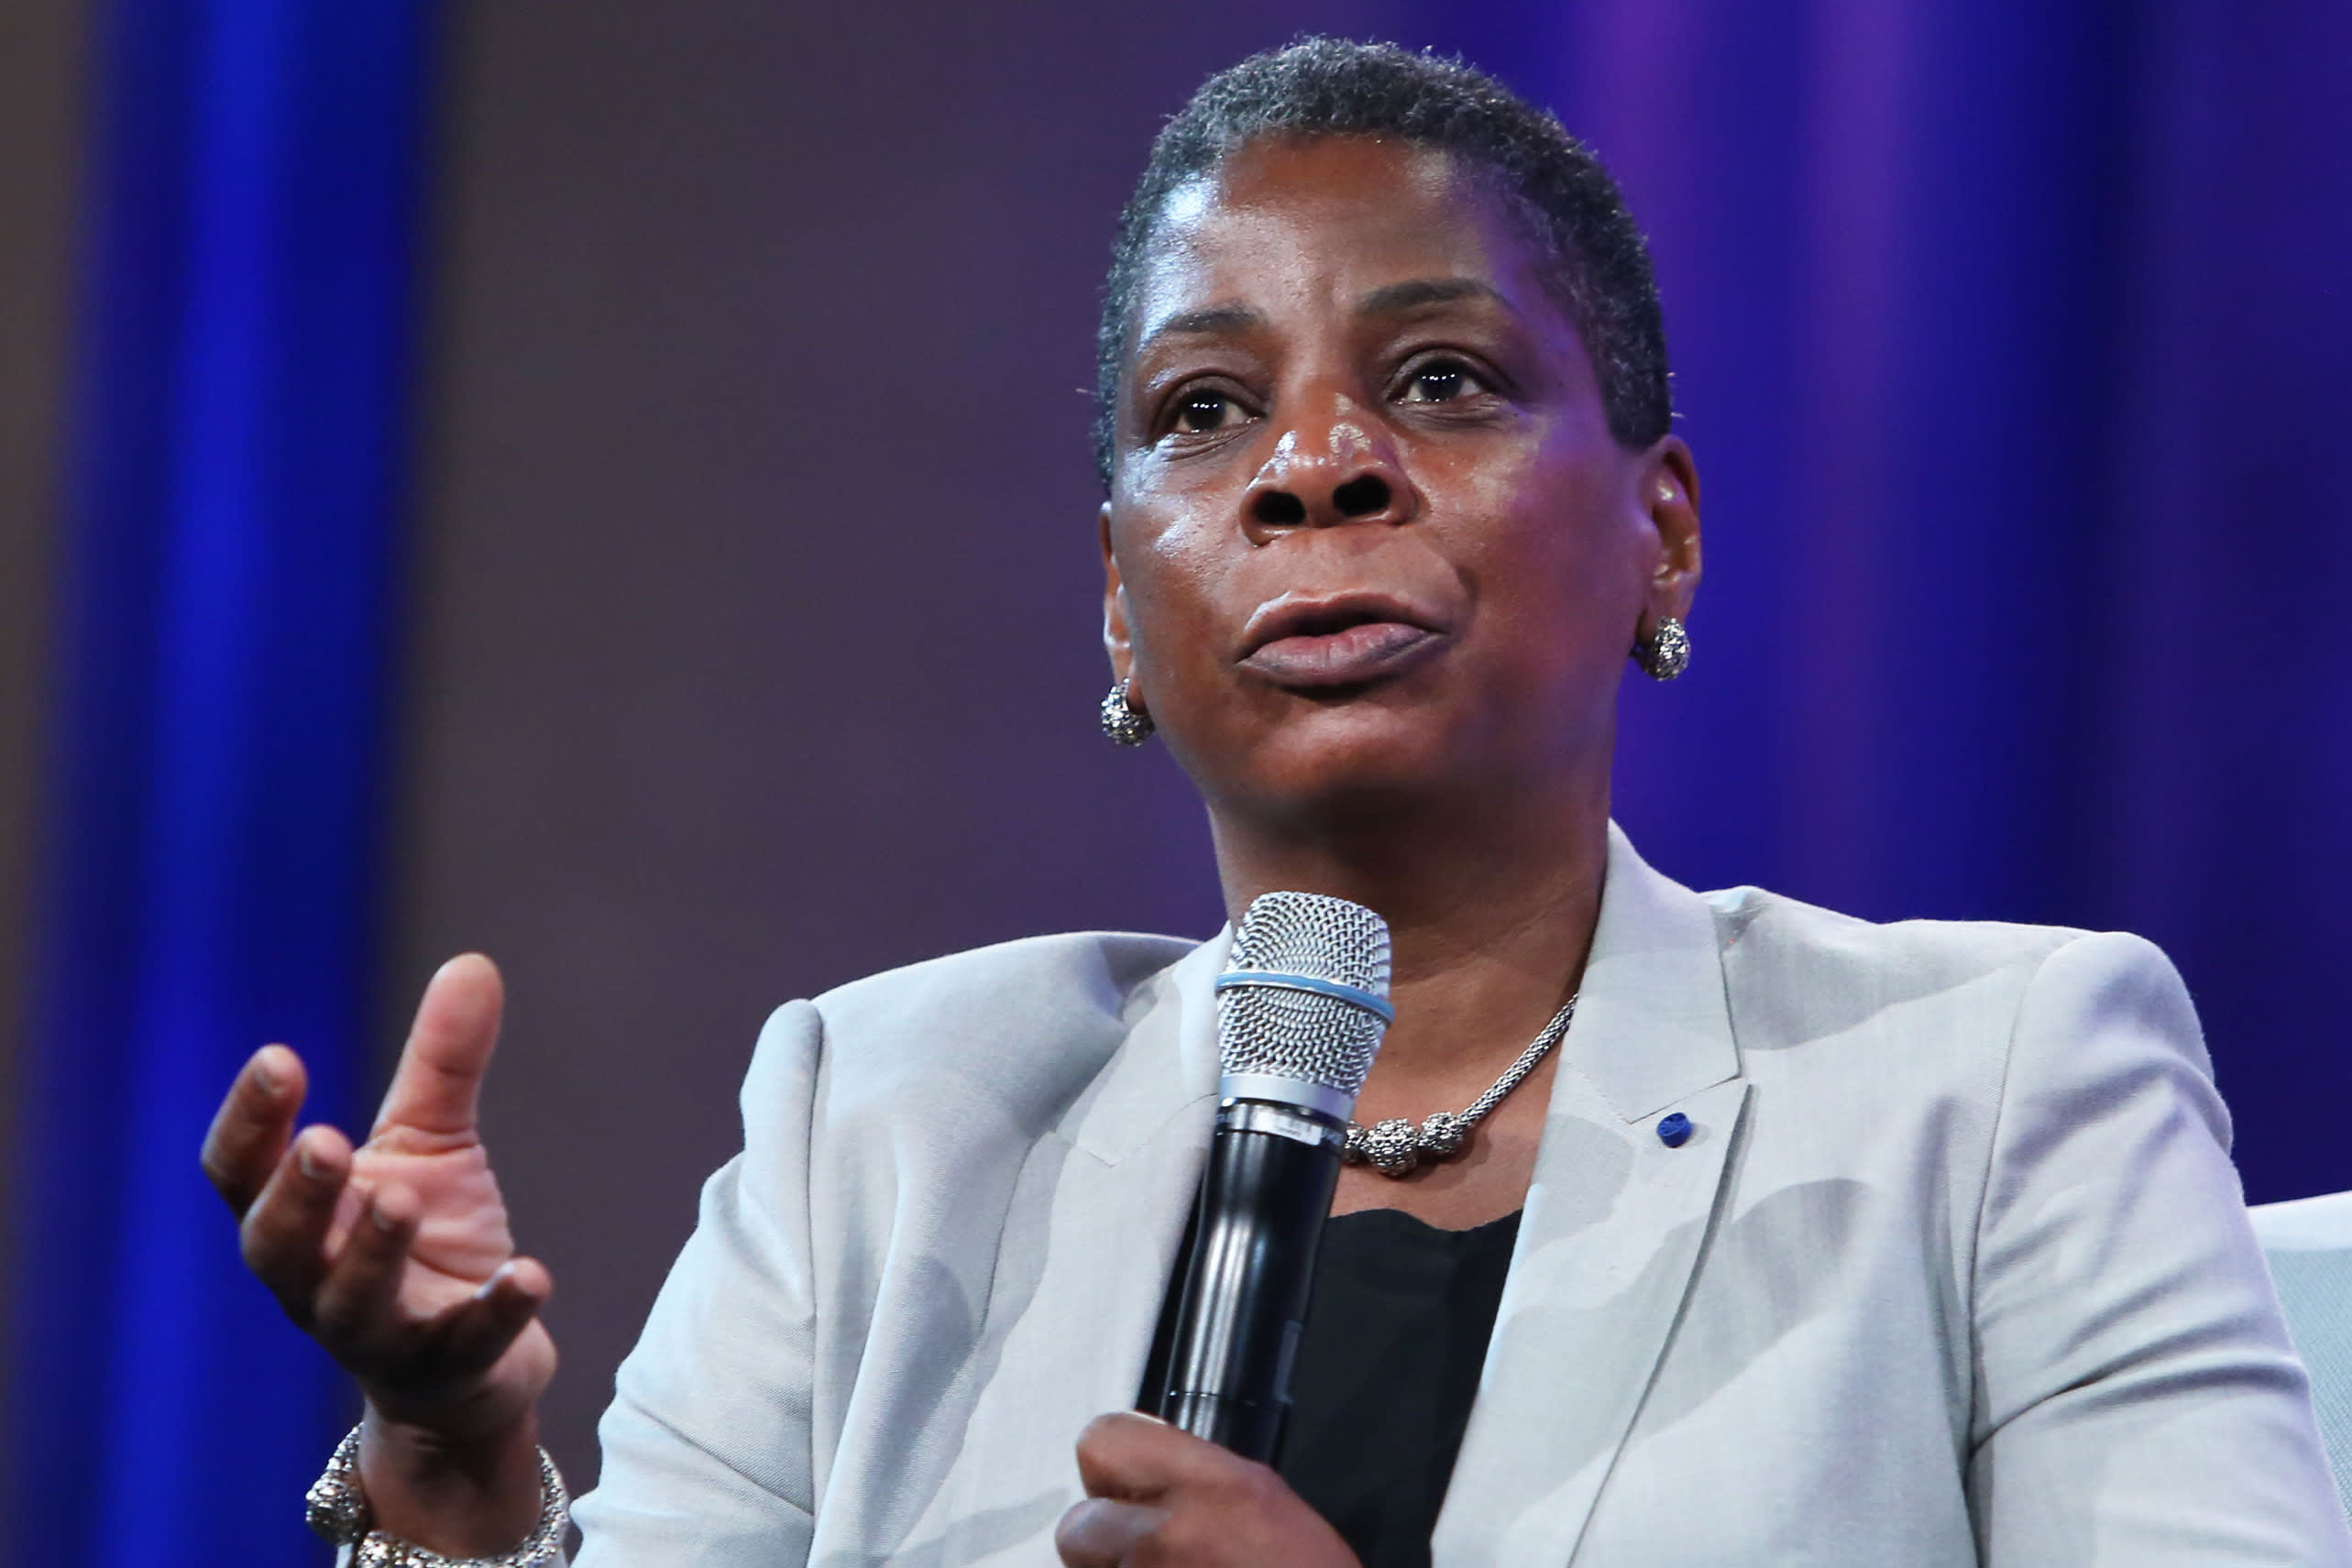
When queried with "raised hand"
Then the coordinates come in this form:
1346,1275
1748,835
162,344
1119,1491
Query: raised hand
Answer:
396,1256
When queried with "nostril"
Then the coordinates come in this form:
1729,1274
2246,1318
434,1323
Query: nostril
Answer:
1361,497
1279,508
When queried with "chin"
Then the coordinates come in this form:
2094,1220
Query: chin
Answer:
1344,763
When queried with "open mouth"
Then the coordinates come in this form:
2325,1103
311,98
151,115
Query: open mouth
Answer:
1348,640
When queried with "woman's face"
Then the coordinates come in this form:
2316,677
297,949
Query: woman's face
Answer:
1369,537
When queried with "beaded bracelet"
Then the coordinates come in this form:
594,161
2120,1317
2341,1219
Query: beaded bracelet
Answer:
338,1510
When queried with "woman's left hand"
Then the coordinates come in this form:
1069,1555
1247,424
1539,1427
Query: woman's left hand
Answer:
1160,1497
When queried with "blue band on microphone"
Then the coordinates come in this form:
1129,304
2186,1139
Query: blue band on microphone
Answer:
1313,984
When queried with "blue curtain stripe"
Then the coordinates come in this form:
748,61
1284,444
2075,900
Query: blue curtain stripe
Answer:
249,237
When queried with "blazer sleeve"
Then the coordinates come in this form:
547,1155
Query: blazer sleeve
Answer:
2136,1399
708,1441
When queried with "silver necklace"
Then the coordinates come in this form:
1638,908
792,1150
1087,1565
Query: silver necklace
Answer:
1396,1147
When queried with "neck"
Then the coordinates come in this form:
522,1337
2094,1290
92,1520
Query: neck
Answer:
1490,905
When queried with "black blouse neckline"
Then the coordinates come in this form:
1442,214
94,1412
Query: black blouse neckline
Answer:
1386,1371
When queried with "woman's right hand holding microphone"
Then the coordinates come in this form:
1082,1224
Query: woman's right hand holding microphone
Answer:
396,1256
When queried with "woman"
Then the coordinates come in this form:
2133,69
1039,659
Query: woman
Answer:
1810,1241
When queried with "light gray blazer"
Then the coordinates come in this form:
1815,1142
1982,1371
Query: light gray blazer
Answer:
1954,1270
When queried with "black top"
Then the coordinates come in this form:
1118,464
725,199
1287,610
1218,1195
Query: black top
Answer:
1386,1371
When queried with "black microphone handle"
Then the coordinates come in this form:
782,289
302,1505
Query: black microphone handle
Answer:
1263,1200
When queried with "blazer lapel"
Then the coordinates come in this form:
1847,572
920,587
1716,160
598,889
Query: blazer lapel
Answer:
1090,1237
1613,1227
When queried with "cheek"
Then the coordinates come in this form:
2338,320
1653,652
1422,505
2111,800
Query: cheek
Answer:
1169,570
1564,565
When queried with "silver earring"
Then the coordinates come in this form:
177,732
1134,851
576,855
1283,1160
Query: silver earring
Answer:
1665,652
1124,723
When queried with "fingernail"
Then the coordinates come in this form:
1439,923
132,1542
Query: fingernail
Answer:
262,1074
489,1288
381,1215
306,1157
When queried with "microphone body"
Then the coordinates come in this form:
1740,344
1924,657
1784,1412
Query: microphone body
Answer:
1263,1198
1301,1009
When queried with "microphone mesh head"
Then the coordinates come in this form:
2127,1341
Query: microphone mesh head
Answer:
1284,1033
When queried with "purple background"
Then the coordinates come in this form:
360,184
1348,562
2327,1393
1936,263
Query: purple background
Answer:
751,630
760,612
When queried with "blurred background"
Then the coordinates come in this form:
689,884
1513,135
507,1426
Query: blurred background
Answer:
607,485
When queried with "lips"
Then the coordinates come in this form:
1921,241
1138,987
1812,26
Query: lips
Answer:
1337,641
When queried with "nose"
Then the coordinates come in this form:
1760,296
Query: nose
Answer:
1338,470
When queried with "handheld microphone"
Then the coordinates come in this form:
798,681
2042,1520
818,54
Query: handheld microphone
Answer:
1301,1009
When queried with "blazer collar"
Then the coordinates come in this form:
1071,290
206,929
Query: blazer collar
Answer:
1167,1063
1652,1024
1615,1224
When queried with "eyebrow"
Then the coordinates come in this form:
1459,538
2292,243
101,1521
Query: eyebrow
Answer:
1393,299
1398,298
1201,323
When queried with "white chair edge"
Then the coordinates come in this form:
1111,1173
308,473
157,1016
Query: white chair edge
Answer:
2304,1224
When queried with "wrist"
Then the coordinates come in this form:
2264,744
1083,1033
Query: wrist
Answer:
471,1496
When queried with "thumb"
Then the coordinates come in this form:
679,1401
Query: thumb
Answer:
437,1086
1130,1456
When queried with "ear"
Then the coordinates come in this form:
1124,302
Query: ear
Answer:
1669,498
1116,640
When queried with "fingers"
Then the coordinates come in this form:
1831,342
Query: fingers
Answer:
248,1132
474,1333
1102,1533
1160,1496
346,1290
1125,1462
356,1303
285,1230
1129,1455
437,1086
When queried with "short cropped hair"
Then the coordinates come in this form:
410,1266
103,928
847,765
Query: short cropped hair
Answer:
1600,266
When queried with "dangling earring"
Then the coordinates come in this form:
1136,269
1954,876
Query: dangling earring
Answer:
1122,722
1665,653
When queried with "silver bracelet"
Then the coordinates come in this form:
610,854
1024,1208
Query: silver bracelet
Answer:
338,1510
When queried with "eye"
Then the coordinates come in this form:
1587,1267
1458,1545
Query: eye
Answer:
1440,381
1202,409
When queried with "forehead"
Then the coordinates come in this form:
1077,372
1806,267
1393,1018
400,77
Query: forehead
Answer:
1289,225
